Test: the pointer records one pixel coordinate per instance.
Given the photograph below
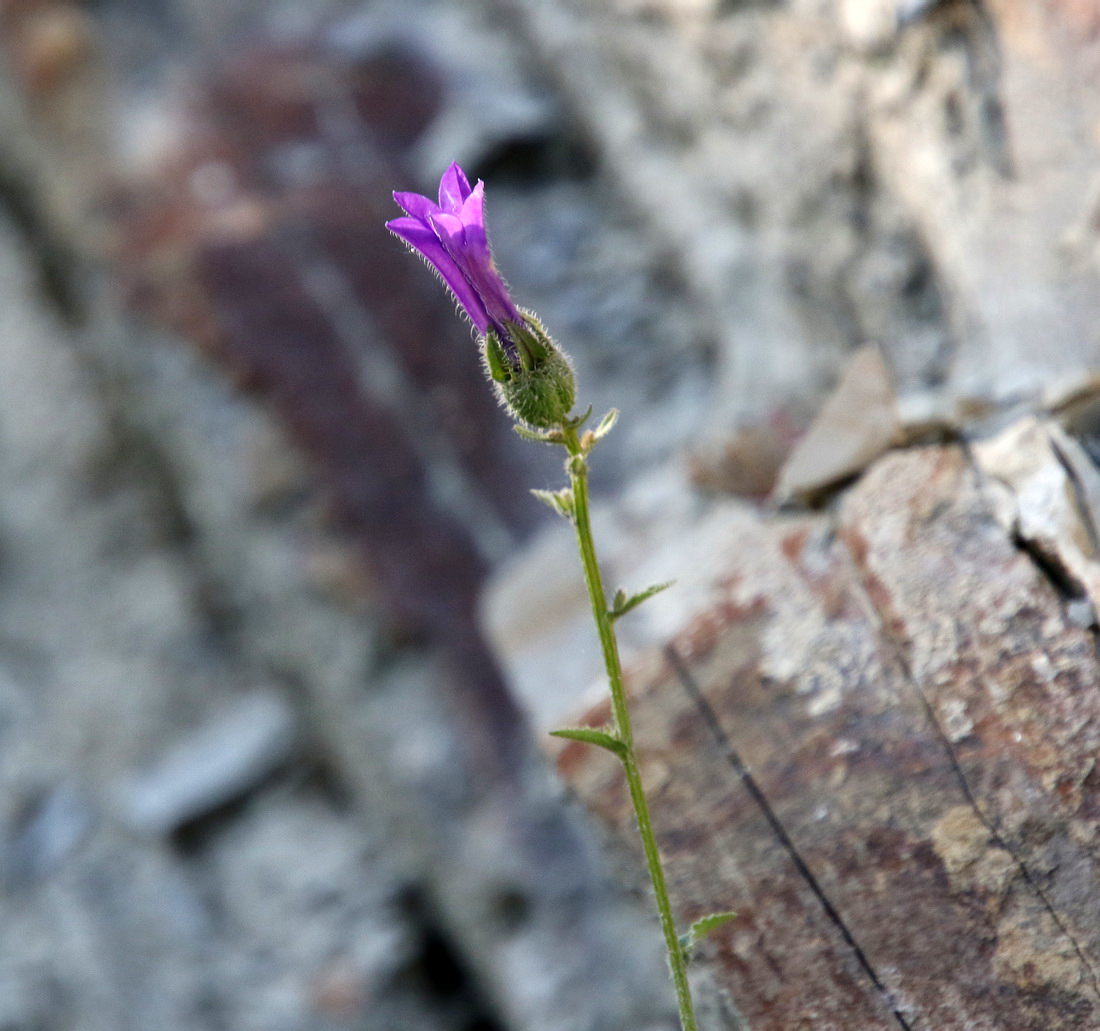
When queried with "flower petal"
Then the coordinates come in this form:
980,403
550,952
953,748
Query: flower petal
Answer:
421,238
450,230
451,237
454,188
499,307
473,217
416,204
468,246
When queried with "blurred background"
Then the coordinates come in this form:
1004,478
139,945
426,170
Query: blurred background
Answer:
280,625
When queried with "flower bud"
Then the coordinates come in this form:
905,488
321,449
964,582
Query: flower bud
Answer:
533,379
539,388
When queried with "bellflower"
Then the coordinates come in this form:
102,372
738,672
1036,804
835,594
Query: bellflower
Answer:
451,237
533,378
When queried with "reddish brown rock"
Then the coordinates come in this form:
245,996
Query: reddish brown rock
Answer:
880,754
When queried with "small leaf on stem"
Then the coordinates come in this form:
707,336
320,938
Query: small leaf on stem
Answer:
542,436
560,501
590,736
621,604
580,420
606,424
700,929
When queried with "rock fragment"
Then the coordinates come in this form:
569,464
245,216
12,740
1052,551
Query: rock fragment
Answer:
219,761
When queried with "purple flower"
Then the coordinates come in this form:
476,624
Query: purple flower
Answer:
451,236
532,378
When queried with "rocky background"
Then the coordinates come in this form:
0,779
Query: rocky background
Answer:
280,627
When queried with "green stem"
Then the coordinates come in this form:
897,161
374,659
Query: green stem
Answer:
578,475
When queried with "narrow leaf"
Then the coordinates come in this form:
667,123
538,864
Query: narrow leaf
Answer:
700,929
580,420
561,501
623,604
606,424
543,436
590,736
706,924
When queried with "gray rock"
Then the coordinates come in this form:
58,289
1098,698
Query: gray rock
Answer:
53,828
219,761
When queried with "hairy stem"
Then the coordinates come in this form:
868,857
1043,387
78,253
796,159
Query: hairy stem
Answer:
578,475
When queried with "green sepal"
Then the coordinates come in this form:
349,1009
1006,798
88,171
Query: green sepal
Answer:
560,501
495,358
532,342
621,604
700,929
590,736
536,385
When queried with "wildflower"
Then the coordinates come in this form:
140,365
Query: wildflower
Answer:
534,379
535,383
451,237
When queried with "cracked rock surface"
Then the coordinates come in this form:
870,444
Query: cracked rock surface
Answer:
877,743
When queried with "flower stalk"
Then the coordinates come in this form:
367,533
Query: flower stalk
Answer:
577,466
534,382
